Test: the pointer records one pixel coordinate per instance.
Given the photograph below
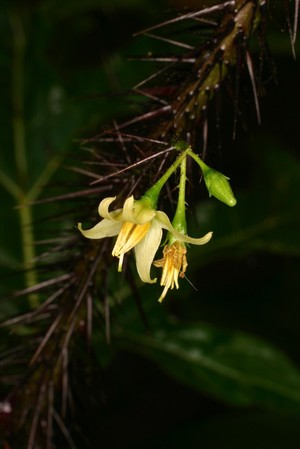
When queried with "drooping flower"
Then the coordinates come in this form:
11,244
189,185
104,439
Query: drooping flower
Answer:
174,264
138,226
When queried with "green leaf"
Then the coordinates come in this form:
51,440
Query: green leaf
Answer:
232,366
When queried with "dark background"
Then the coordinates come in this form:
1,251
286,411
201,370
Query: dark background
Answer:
247,280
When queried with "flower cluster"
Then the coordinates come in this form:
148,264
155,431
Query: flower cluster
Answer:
138,225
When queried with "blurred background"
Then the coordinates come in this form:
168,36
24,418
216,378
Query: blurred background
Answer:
221,367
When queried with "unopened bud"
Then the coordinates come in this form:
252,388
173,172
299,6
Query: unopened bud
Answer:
218,186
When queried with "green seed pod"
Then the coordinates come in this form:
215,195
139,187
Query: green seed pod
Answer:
218,186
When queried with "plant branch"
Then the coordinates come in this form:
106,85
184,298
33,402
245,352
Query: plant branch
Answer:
18,126
11,187
43,179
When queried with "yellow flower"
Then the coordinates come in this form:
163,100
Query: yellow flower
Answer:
174,264
138,226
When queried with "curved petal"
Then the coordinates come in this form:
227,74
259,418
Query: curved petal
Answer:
104,206
128,214
145,251
164,220
105,228
194,241
166,224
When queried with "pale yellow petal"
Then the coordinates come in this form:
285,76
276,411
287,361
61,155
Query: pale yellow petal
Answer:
104,212
166,224
105,228
128,214
194,241
145,251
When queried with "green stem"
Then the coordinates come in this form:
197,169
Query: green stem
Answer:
179,220
197,159
18,125
11,187
25,217
43,179
151,195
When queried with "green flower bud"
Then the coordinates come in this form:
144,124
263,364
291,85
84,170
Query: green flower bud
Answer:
218,186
